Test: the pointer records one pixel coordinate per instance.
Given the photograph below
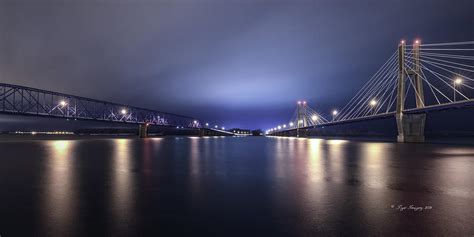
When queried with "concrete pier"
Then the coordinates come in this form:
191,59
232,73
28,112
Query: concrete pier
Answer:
411,127
143,130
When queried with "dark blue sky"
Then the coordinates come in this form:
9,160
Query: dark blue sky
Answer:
238,63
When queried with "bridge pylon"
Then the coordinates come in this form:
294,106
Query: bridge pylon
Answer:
410,127
301,120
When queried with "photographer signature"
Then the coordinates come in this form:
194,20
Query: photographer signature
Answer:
411,208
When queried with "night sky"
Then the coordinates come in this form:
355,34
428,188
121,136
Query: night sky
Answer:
236,63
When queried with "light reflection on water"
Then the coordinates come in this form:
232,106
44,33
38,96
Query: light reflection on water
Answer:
294,184
60,183
122,189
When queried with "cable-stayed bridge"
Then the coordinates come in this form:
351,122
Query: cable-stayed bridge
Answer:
416,79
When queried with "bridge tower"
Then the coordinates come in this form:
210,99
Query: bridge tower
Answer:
301,120
410,126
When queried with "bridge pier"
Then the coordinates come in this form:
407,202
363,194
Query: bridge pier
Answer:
411,127
143,130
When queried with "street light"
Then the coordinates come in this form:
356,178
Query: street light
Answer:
456,82
373,103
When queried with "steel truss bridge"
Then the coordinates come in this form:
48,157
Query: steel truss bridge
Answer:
21,100
413,81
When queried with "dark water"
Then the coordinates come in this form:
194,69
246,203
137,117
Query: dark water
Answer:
234,186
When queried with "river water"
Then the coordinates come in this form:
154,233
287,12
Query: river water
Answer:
234,186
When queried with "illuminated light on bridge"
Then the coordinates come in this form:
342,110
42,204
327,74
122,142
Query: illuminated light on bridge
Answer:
300,121
223,128
402,42
216,126
417,41
458,81
314,117
279,127
123,111
62,103
373,102
334,113
291,124
195,121
207,124
299,102
284,125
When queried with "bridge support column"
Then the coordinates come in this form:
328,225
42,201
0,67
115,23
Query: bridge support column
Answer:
411,128
143,130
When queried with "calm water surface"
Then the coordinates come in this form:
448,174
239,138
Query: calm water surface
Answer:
234,186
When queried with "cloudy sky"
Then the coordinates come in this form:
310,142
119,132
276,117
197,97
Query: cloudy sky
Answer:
237,63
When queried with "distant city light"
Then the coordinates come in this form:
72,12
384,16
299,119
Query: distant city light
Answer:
314,117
